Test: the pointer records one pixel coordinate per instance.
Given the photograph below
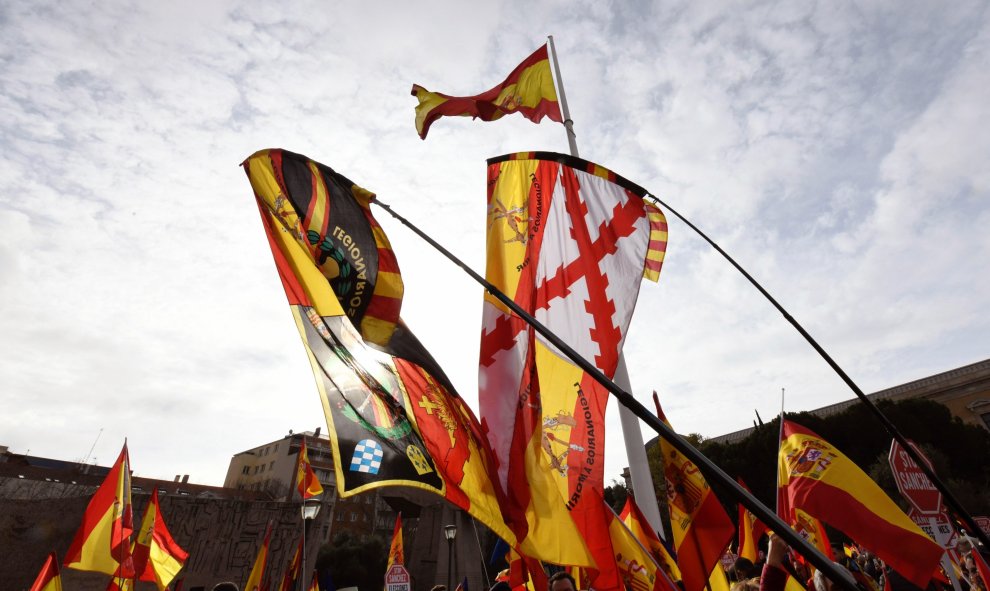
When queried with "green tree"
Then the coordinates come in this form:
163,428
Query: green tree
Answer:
355,560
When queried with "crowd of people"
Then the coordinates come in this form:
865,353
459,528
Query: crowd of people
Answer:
868,571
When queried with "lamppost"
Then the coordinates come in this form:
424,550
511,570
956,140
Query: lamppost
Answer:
450,532
310,509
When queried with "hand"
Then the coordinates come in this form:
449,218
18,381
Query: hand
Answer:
777,550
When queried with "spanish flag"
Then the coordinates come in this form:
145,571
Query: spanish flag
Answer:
257,575
982,567
396,554
750,531
634,560
307,483
48,578
818,478
634,519
157,557
700,526
528,90
103,542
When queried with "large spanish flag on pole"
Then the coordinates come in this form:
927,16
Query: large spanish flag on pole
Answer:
817,478
569,242
394,418
701,528
48,578
103,542
528,90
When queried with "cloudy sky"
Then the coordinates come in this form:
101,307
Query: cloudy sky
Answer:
839,150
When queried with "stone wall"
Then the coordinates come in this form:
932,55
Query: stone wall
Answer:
222,536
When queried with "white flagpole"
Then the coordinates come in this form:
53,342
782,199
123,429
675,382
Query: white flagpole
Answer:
639,467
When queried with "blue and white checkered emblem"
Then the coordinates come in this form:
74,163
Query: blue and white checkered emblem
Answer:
367,457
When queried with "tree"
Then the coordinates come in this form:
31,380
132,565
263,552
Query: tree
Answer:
354,560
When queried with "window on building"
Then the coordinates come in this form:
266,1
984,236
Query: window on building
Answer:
262,468
986,419
340,515
276,448
255,469
353,517
246,470
271,466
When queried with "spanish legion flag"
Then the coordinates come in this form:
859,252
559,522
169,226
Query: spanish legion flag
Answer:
396,554
700,526
307,483
816,477
569,241
157,557
48,578
634,519
257,575
103,542
528,90
393,416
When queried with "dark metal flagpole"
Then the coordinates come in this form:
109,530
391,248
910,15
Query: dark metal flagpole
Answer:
711,471
954,503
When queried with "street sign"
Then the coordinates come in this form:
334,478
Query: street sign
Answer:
912,481
938,527
397,579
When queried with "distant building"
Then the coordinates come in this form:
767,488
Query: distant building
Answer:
965,391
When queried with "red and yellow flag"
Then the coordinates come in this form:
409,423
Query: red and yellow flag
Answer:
569,242
810,529
394,417
103,542
48,578
634,519
157,557
396,553
818,478
257,575
700,526
314,584
307,483
292,570
982,567
635,563
750,531
528,90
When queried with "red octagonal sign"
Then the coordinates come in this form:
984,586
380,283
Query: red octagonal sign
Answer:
913,482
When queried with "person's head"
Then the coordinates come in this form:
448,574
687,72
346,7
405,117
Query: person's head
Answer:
744,569
439,588
562,581
225,586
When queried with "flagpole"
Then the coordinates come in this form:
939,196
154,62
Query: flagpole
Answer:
954,503
632,436
568,122
711,471
780,439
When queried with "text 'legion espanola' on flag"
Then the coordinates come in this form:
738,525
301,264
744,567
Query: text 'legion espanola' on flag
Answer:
528,90
394,419
569,242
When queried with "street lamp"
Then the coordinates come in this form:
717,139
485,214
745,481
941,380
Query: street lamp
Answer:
310,509
450,532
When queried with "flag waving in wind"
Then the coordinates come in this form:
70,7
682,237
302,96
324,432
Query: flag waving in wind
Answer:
48,578
394,418
817,478
307,483
569,242
528,90
700,526
103,541
157,557
396,554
